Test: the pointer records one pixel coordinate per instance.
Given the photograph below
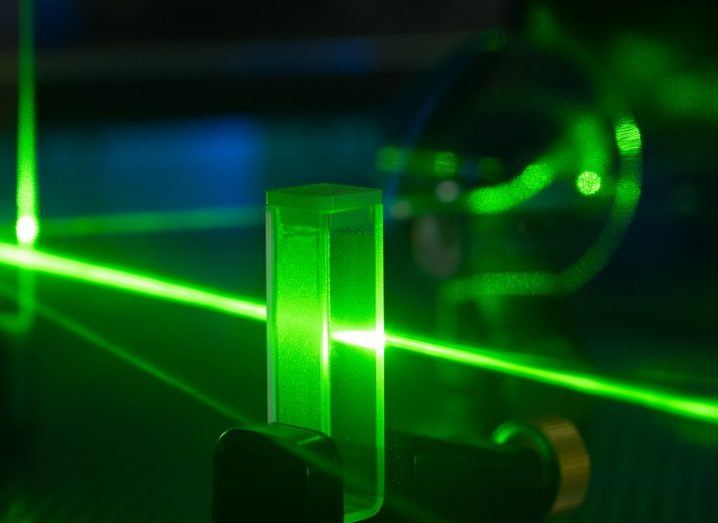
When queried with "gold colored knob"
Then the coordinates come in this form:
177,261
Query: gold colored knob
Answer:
567,463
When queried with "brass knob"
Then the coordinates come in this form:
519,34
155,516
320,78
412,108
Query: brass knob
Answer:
567,464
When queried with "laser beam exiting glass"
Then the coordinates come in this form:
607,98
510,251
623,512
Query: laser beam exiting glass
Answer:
656,399
689,406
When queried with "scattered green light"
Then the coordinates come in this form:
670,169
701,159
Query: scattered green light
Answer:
135,283
627,195
499,198
442,164
641,57
591,262
591,143
324,274
389,159
666,77
501,284
588,183
689,94
153,222
628,137
445,163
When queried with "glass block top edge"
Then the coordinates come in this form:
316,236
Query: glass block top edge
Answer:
324,197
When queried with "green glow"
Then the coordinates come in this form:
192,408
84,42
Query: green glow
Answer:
139,284
445,163
666,77
21,321
640,57
26,223
389,159
689,94
439,164
500,198
626,197
591,143
153,222
324,275
547,372
628,137
588,183
500,284
585,144
27,213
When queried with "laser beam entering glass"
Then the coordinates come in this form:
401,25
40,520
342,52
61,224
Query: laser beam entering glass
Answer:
325,278
700,408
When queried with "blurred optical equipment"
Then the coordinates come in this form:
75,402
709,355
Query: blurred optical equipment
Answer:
519,174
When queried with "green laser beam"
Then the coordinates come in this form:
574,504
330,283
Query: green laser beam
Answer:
694,407
497,199
136,283
27,226
154,222
683,405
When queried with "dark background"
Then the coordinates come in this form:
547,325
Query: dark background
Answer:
160,105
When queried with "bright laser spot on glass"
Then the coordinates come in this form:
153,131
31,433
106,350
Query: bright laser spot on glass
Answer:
588,183
324,275
705,409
